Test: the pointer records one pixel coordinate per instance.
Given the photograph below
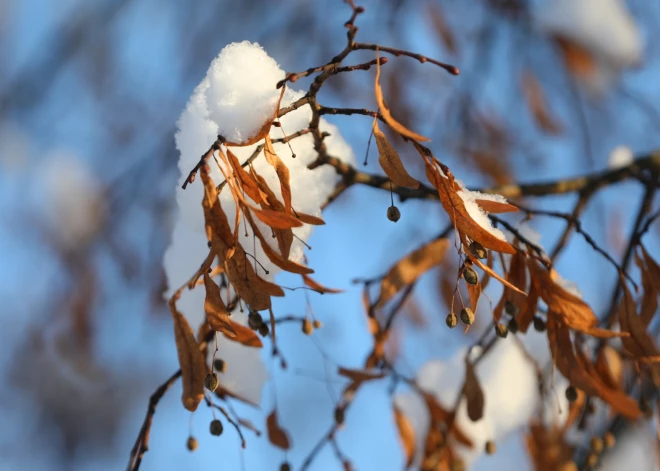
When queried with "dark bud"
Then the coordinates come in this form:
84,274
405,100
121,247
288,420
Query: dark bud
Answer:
359,10
490,447
285,466
478,250
451,320
307,327
501,330
393,213
571,394
539,324
470,276
220,365
467,316
192,443
211,382
510,308
255,320
264,330
513,326
339,415
216,428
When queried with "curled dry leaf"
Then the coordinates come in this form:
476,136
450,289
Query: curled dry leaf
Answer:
248,184
650,284
387,117
316,286
390,161
610,367
548,448
254,290
582,374
282,172
473,393
276,434
579,61
455,208
494,274
216,311
537,104
191,361
406,435
496,207
244,335
411,267
217,225
309,219
360,376
516,276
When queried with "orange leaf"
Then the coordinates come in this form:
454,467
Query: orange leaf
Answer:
406,435
216,311
275,219
391,162
494,274
496,207
244,335
309,219
579,61
316,286
217,226
455,208
247,181
276,434
473,393
360,376
191,361
387,116
282,173
410,268
254,290
538,105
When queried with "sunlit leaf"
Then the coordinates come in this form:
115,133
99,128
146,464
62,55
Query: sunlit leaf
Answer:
391,162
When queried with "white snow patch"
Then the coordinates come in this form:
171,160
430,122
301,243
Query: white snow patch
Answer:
621,156
475,211
235,99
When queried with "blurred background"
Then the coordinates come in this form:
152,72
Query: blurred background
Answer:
90,92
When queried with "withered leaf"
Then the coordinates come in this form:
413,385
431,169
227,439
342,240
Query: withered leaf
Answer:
247,181
640,343
316,286
243,335
496,207
579,61
458,214
217,226
411,267
191,361
651,285
406,435
276,434
276,219
610,367
473,393
216,311
387,116
441,27
516,276
391,162
309,219
537,104
282,172
494,274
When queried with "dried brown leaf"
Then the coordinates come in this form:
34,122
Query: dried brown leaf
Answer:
244,335
191,361
406,435
276,219
496,207
282,173
217,226
610,367
216,311
579,61
410,268
436,15
316,286
537,104
473,393
494,274
276,434
390,161
360,376
309,219
248,183
387,116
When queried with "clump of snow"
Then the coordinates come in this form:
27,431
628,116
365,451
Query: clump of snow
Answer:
568,285
235,99
475,211
74,198
621,156
604,28
508,380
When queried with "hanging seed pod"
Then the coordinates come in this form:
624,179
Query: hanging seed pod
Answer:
510,308
539,324
285,466
501,330
592,461
216,428
571,394
307,327
211,382
192,444
609,439
513,326
393,213
478,250
568,466
264,330
490,447
255,320
451,320
220,365
318,324
339,415
597,445
467,316
458,465
470,276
